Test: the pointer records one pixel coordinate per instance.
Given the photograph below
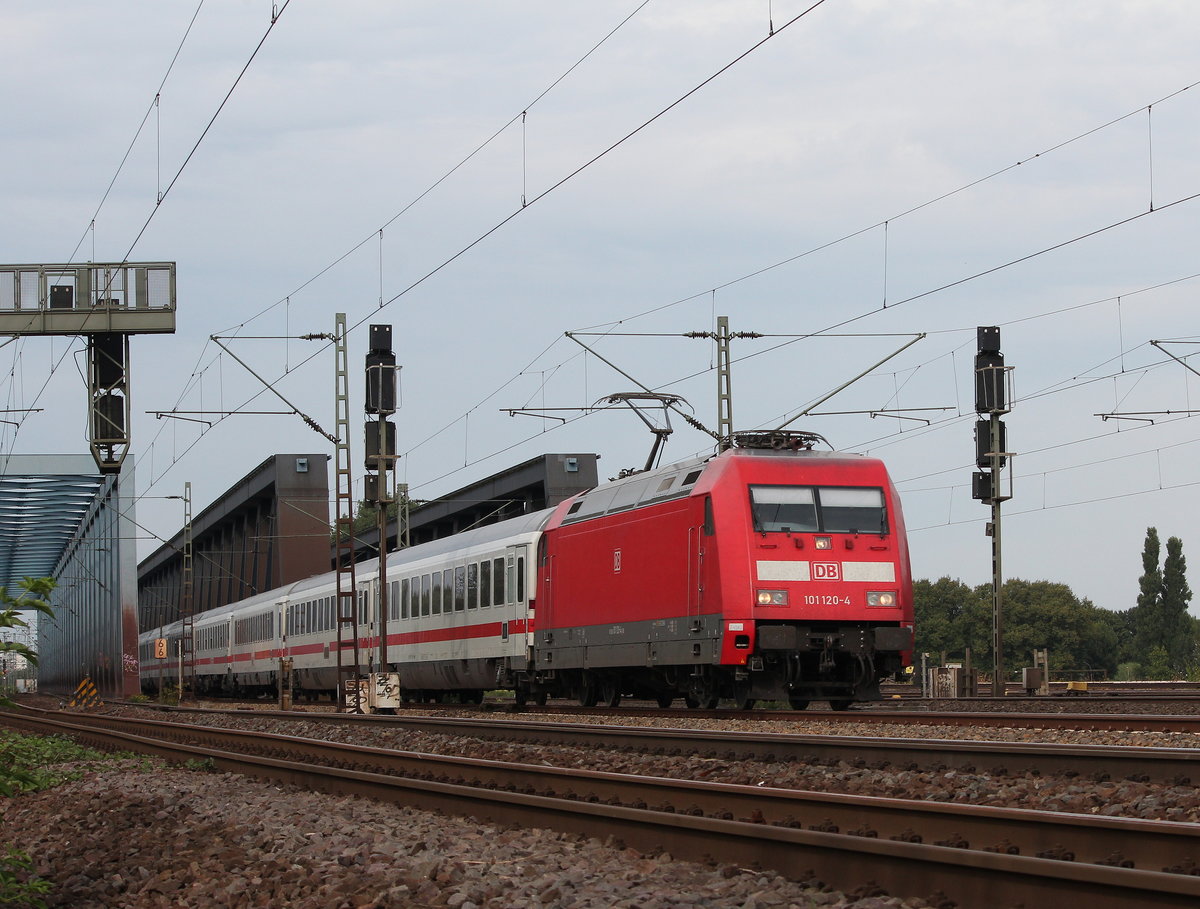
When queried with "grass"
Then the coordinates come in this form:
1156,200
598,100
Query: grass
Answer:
19,885
29,763
36,762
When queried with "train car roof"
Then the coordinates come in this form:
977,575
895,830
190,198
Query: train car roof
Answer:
478,536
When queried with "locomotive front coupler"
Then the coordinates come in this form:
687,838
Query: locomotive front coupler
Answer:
827,662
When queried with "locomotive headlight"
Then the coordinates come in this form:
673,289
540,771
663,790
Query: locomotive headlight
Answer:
881,598
823,542
772,598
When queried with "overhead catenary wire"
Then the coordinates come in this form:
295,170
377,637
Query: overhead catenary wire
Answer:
910,210
449,173
863,230
161,195
829,331
233,329
570,176
276,13
468,412
1027,159
150,109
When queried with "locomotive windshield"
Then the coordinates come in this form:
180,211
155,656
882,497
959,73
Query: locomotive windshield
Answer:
818,509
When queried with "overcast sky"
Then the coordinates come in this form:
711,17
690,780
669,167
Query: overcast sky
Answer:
1030,165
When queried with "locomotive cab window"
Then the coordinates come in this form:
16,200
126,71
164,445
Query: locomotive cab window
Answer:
824,509
783,508
852,510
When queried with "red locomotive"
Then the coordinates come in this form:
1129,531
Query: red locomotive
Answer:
768,571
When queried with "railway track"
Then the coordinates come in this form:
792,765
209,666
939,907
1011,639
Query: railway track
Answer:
1176,765
1059,690
1122,722
1004,857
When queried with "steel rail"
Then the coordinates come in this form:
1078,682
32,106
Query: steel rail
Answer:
1121,722
903,868
881,713
1176,765
1096,839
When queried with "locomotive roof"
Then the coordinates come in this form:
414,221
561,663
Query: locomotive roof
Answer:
674,481
671,482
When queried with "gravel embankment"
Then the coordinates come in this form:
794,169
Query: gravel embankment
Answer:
126,837
1078,794
137,839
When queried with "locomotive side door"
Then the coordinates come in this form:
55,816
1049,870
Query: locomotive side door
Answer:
695,577
697,545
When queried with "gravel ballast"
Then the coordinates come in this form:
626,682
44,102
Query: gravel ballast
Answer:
144,837
1136,798
128,836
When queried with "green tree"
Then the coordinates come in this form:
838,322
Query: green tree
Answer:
1159,623
948,616
1150,583
1146,617
1181,640
1124,630
1158,664
951,616
32,598
1046,614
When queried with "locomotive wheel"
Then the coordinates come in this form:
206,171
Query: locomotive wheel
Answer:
840,704
540,698
741,696
610,694
796,702
708,703
588,692
665,700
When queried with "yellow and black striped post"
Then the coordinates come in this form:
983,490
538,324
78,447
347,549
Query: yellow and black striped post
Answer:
86,697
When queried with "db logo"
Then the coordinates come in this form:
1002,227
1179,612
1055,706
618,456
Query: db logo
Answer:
826,571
